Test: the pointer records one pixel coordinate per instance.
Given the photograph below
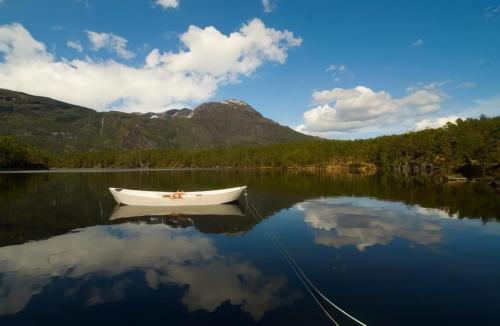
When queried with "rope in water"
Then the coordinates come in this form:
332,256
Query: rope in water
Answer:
298,274
311,288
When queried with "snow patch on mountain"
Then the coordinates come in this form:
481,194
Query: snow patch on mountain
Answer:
233,101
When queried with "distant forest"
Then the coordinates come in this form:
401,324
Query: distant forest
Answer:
466,142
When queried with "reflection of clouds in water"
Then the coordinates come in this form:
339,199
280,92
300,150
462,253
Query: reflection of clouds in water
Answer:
222,279
115,292
442,213
365,222
166,255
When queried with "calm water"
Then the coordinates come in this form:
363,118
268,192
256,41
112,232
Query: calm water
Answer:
388,251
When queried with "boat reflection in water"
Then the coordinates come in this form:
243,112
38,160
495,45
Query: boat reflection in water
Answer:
138,211
226,219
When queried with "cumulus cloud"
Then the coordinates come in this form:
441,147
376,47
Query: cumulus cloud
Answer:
268,5
110,41
350,110
418,42
213,53
75,45
432,123
166,4
167,79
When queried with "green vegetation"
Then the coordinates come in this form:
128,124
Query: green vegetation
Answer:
465,142
19,156
62,127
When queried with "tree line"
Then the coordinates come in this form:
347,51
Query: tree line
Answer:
455,144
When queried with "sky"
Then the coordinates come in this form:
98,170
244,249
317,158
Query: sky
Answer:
337,69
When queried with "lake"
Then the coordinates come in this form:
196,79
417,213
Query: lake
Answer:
387,250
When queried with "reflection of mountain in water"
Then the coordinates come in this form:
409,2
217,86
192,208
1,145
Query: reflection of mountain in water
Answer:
166,257
364,222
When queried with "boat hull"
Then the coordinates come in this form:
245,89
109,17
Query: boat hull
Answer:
153,198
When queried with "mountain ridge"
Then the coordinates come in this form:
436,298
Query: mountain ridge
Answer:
58,126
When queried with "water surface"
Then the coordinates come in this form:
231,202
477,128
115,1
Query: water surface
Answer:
387,250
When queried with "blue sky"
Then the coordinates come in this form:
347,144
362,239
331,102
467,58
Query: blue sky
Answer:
344,69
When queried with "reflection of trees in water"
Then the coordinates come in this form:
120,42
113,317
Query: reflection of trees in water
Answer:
363,222
167,257
36,206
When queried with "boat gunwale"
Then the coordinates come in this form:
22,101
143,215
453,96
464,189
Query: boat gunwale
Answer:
150,194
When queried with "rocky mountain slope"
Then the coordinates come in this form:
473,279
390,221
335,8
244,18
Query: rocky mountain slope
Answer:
59,126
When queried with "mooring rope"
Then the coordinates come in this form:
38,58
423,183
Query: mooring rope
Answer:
300,273
273,239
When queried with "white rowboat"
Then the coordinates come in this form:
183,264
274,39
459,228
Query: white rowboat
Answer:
195,198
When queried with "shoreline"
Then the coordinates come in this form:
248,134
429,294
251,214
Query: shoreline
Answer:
114,170
344,169
98,170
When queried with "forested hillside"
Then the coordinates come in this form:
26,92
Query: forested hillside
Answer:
467,142
62,127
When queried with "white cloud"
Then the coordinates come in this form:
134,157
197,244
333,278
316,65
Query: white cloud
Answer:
432,123
17,44
166,80
339,72
488,106
361,108
491,11
434,85
74,45
213,53
269,5
466,85
84,2
110,41
418,42
166,4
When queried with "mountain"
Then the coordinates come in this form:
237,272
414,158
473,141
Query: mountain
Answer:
59,126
